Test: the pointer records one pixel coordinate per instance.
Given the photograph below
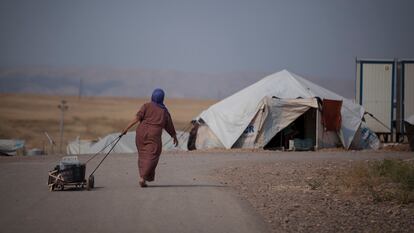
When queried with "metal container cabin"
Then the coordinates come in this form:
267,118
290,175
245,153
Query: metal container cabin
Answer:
407,88
375,81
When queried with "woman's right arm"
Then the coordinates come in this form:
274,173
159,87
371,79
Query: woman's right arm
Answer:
132,123
138,118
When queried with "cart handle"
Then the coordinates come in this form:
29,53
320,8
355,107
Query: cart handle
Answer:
116,142
97,153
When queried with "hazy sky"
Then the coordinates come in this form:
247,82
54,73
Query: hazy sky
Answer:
312,38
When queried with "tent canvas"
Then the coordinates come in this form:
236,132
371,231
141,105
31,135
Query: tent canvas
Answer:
229,118
274,115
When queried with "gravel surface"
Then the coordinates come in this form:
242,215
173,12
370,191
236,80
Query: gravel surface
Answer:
306,196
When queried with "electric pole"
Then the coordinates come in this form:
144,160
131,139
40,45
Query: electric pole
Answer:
63,107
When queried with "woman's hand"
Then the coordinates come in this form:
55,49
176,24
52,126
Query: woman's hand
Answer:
125,131
175,141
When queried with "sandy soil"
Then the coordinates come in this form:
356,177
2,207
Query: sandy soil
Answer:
307,196
27,117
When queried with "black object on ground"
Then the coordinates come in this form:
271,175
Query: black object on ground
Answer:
409,129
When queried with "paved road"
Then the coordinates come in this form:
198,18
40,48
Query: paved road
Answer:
184,197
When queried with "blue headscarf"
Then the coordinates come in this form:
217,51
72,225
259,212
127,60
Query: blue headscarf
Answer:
158,98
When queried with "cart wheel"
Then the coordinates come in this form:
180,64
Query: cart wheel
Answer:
60,187
90,183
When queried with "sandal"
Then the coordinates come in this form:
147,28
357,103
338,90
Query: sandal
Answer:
143,184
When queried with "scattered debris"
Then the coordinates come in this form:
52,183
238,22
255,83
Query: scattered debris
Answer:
326,196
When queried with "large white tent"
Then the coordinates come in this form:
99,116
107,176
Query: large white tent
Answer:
226,120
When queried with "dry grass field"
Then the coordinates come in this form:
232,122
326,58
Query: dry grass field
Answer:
27,117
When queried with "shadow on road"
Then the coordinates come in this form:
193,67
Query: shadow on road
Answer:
75,189
186,186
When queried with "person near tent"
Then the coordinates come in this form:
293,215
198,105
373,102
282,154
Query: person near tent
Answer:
152,118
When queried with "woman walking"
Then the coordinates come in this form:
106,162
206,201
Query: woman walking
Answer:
151,118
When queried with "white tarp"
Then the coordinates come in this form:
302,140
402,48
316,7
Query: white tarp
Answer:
125,145
228,118
11,146
367,139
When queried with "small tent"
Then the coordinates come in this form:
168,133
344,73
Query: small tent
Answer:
125,145
10,147
252,117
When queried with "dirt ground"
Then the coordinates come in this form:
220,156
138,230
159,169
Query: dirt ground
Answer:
27,117
228,191
308,196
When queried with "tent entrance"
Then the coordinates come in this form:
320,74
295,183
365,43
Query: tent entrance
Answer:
302,131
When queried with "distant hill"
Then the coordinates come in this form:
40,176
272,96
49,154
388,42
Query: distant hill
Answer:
136,82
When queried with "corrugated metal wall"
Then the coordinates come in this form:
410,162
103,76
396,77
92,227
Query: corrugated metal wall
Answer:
408,89
375,88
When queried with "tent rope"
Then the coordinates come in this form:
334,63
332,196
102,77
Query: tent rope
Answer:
372,115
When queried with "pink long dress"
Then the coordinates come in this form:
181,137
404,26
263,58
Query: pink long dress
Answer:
148,137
